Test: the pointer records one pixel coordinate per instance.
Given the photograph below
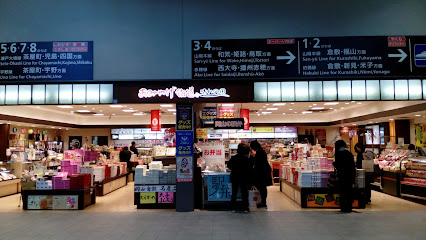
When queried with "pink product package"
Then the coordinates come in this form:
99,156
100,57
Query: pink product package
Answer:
65,163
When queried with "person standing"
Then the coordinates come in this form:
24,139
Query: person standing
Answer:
239,165
359,149
368,166
133,148
262,171
345,166
125,156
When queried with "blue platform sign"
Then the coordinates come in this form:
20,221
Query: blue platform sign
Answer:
219,187
420,55
208,114
44,61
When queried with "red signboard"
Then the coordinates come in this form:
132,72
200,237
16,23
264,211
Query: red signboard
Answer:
244,113
155,120
226,112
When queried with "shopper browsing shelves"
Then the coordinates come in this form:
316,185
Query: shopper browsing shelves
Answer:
344,164
263,172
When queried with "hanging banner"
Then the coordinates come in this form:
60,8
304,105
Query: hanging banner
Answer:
226,112
155,120
201,133
184,118
245,114
208,114
184,143
213,152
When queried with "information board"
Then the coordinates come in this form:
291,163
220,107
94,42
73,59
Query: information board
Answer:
314,57
38,61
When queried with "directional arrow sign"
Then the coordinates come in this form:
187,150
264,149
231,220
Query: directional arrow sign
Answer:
402,55
290,57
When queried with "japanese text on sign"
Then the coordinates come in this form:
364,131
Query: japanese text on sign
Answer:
155,188
219,188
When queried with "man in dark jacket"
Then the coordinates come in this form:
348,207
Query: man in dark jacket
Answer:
125,156
133,148
345,166
240,167
359,149
263,172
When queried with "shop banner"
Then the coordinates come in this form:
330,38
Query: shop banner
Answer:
155,120
155,188
41,61
213,152
201,133
420,135
208,114
148,197
245,114
285,129
184,118
55,202
231,123
310,57
219,187
166,197
184,143
226,112
184,169
262,129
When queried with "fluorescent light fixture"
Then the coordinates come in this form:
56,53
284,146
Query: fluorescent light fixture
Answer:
83,111
331,103
391,119
266,112
228,105
113,114
352,101
347,103
171,110
65,106
278,104
128,110
116,106
283,113
359,103
166,105
271,109
318,108
98,114
331,108
84,106
267,104
292,103
295,112
370,122
138,114
306,112
314,104
417,115
291,109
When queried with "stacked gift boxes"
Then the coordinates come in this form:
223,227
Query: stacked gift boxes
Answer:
43,184
69,166
305,179
80,181
154,176
60,181
90,156
88,170
99,172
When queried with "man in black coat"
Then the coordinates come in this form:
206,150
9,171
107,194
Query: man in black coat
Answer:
345,166
133,148
125,156
359,149
262,171
240,168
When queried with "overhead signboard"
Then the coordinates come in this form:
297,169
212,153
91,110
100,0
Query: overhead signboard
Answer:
315,57
229,123
40,61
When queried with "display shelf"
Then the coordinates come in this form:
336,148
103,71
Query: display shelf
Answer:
10,187
319,197
413,179
58,199
391,183
109,185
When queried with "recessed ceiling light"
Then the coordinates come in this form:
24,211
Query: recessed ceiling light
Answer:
331,108
93,108
271,109
295,112
174,113
331,103
342,108
266,112
131,108
318,108
60,128
306,112
84,106
228,105
292,103
101,110
258,114
52,127
72,112
342,126
417,115
370,122
283,113
377,122
64,106
291,109
314,104
391,119
98,114
8,123
113,114
166,105
359,103
335,110
128,110
347,103
138,114
267,104
116,106
310,106
278,104
83,111
66,128
32,125
38,107
264,106
354,124
171,110
352,101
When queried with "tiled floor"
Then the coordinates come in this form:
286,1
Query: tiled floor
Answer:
115,217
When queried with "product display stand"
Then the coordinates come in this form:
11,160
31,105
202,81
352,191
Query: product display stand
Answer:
391,183
58,199
319,197
111,184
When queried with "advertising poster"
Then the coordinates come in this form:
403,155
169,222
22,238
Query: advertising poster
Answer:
166,197
420,135
75,142
184,143
219,187
148,197
155,120
226,112
245,114
325,200
184,167
208,114
201,133
55,202
184,118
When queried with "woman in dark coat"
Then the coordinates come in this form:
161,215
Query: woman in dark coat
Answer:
359,149
240,169
263,172
345,166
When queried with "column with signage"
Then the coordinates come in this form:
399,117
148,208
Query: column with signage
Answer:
184,158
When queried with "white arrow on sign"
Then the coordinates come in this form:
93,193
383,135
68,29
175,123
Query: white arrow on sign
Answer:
290,57
402,55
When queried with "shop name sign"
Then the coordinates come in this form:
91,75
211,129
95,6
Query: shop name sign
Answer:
183,93
230,123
